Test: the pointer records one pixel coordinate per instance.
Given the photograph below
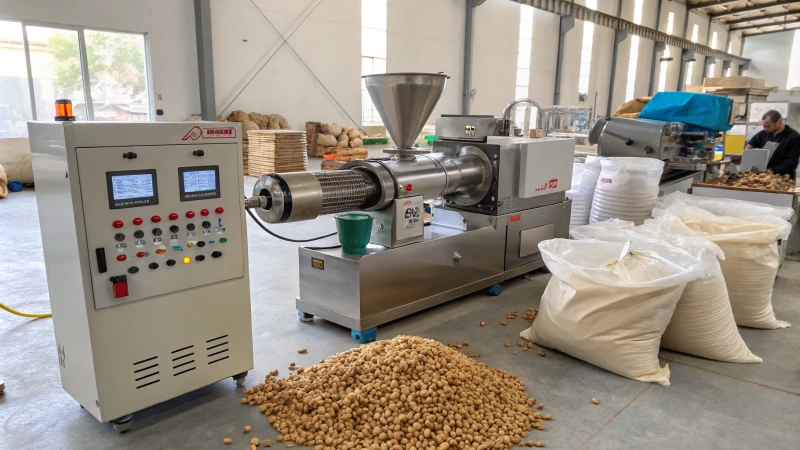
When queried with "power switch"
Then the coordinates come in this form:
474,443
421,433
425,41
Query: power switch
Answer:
120,283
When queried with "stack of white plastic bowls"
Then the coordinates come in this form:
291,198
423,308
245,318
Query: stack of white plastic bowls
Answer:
584,179
627,189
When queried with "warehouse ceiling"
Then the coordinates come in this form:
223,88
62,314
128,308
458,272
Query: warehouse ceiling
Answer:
752,17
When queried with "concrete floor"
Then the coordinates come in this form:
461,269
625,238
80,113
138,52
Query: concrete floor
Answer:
708,405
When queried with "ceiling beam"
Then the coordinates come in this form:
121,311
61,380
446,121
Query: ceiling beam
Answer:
771,24
770,32
755,8
712,3
765,16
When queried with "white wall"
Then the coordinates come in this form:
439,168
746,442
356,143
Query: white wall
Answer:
722,42
702,25
169,25
769,56
494,70
674,66
328,42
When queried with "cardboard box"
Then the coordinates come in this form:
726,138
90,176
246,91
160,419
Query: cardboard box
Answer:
735,82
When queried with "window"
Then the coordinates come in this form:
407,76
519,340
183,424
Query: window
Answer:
730,48
662,75
586,52
713,66
44,63
524,60
630,87
373,53
689,69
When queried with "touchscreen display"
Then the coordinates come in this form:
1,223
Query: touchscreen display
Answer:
132,188
199,183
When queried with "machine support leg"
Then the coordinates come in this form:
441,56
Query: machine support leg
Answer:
366,336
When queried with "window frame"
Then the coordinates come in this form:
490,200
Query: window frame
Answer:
86,81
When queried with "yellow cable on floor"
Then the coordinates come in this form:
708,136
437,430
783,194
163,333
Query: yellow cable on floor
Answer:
35,316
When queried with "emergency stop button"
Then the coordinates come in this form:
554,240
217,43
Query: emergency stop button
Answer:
120,284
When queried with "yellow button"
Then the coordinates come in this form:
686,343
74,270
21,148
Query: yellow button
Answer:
187,260
190,244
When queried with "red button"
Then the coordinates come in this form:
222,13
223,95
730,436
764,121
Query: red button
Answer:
219,210
121,257
190,214
141,254
117,224
138,221
121,289
203,212
173,216
156,219
409,187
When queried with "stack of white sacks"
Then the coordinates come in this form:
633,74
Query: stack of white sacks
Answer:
683,281
584,180
627,189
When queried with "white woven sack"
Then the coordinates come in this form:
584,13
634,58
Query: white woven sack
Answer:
703,323
726,206
751,260
608,303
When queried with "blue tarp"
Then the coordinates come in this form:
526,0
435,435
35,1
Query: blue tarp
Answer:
704,112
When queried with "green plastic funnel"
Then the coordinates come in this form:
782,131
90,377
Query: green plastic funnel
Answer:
354,232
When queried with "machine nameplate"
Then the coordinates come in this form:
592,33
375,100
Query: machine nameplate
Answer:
318,263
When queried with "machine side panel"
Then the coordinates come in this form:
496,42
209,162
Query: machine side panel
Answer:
545,167
330,278
520,235
64,243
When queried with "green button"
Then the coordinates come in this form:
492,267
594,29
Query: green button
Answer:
223,240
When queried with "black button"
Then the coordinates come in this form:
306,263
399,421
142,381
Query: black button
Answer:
153,265
133,269
174,228
138,234
170,262
201,243
206,224
216,254
190,226
199,258
119,237
156,231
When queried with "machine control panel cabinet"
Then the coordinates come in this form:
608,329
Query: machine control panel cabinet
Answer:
145,248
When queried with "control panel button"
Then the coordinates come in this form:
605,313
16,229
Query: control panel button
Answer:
190,244
170,262
153,266
120,284
161,251
177,248
200,258
223,240
174,228
173,216
138,234
206,224
189,214
141,254
155,219
121,257
117,224
186,260
219,210
201,243
216,254
156,231
190,226
119,237
138,221
133,269
203,212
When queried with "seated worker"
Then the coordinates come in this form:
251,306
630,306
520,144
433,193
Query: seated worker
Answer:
782,140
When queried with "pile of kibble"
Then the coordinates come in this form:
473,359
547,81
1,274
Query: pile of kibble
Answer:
755,179
405,393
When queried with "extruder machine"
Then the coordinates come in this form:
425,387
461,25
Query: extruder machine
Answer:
494,199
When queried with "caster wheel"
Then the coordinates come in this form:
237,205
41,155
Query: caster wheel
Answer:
305,317
123,424
239,378
495,290
366,336
544,269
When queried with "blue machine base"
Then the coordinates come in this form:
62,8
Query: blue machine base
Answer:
495,290
366,336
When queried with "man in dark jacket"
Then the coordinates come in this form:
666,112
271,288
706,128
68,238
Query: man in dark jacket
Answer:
782,140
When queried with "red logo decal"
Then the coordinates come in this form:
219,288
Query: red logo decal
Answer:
515,218
194,134
605,180
552,184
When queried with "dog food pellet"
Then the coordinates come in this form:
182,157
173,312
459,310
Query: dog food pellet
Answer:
246,429
594,400
303,351
227,441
